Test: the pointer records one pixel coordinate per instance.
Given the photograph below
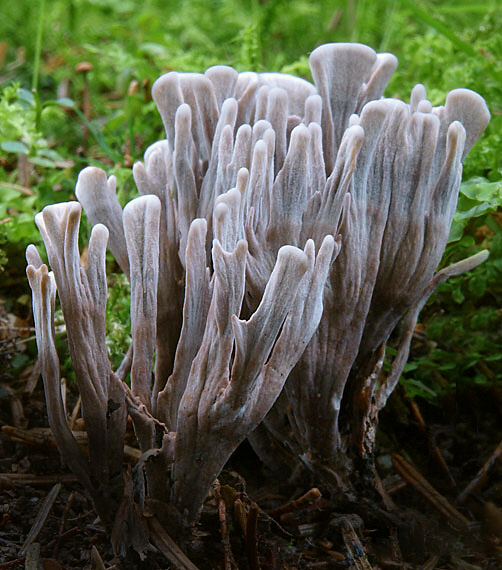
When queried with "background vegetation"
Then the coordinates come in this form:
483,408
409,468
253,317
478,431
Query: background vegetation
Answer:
56,118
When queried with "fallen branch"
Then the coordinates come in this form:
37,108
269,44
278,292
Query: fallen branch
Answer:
165,544
40,519
308,498
356,554
31,479
252,537
414,478
229,560
481,475
436,452
43,437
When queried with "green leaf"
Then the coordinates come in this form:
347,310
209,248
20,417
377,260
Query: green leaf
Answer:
457,295
44,162
49,153
483,191
66,102
25,95
9,194
17,147
456,230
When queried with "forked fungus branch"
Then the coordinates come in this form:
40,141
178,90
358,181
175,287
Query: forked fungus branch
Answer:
284,231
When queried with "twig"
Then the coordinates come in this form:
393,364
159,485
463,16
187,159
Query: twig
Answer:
62,524
327,547
64,392
24,168
394,484
308,498
11,563
229,560
386,498
125,366
16,407
41,517
83,68
22,189
163,542
492,521
96,560
481,475
252,537
436,453
241,516
414,478
33,377
432,562
397,555
307,529
32,557
75,412
5,483
60,538
459,563
355,551
29,479
43,437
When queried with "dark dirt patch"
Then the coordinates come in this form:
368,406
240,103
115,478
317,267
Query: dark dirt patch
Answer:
465,427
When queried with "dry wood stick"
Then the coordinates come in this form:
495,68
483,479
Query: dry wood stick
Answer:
397,555
309,497
481,475
432,562
43,437
12,563
16,407
356,553
62,524
62,537
327,547
229,560
29,479
32,557
168,547
96,560
459,563
240,515
436,452
41,517
75,412
32,381
252,537
414,478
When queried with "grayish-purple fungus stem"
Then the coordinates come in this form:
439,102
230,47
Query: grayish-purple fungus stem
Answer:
284,230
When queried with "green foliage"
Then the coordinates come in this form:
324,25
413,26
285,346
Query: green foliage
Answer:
3,256
477,197
463,320
18,129
118,336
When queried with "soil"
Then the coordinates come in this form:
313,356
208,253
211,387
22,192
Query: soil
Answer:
252,520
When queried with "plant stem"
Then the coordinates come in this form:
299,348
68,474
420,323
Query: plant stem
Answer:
38,46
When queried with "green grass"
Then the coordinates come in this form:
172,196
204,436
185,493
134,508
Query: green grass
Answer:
45,137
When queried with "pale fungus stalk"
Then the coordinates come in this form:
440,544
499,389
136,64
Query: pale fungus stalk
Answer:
285,231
